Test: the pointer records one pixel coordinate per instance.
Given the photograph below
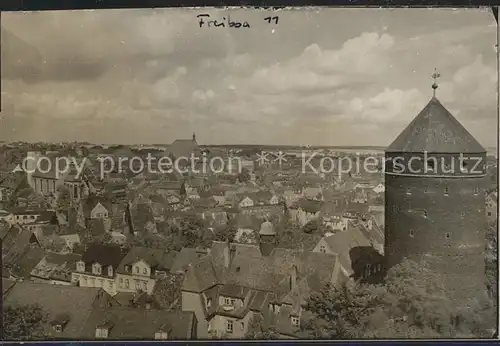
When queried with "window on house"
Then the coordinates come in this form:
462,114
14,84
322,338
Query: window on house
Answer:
227,301
446,191
25,217
144,286
145,271
229,326
448,235
426,190
425,213
412,233
127,283
101,333
242,325
322,249
489,213
161,336
137,270
110,284
58,328
295,321
209,302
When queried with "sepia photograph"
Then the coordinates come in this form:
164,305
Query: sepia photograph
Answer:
249,174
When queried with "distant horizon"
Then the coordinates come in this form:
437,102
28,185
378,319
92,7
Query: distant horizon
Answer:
233,145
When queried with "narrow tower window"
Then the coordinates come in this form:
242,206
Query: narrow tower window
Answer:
476,191
448,235
425,213
430,165
446,193
412,233
463,167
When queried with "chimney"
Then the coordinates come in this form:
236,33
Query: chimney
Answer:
293,278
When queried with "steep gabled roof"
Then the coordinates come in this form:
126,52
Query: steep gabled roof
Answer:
435,130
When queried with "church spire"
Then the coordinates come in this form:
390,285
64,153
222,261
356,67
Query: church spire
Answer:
194,137
435,76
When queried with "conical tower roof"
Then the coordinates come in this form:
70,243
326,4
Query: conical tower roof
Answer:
435,130
267,228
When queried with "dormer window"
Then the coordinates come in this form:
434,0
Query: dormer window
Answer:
96,269
102,331
59,323
80,266
127,268
161,335
110,271
295,321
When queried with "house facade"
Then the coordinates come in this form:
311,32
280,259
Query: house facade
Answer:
97,268
235,282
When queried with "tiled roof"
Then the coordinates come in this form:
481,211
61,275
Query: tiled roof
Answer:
75,302
156,258
435,130
308,205
184,258
105,255
182,148
140,324
342,242
249,268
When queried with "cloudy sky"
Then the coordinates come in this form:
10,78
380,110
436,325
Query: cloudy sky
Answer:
320,77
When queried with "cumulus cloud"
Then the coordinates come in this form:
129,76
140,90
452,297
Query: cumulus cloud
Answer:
344,81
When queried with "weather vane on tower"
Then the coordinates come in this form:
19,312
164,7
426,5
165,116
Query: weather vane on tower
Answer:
435,76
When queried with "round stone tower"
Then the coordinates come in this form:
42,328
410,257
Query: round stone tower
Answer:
435,200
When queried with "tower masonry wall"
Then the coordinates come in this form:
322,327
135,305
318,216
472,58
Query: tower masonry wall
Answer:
441,219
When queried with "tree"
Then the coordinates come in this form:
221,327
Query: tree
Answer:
411,303
260,328
25,322
168,291
227,232
491,260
